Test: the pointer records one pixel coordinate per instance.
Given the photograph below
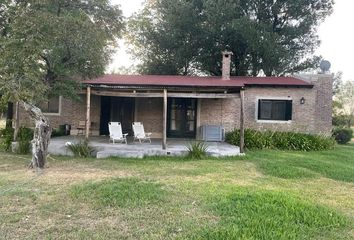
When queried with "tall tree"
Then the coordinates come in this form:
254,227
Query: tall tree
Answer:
166,37
47,47
344,102
181,37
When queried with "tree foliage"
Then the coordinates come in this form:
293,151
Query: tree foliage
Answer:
187,36
46,46
344,103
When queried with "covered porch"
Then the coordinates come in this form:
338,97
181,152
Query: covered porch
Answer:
168,111
104,149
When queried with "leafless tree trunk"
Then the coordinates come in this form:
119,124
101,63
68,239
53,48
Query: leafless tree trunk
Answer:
41,136
17,121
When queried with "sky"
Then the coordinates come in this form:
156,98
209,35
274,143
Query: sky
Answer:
336,35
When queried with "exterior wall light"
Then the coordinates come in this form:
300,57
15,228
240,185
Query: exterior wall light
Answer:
302,100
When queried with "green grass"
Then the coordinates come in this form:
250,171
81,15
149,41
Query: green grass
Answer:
336,165
263,195
126,192
258,214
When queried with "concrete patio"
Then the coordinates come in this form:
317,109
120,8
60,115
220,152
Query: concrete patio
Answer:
104,149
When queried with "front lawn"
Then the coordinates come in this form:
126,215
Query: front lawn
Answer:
264,195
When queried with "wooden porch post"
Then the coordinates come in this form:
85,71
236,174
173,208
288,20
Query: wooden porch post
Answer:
242,121
88,115
164,134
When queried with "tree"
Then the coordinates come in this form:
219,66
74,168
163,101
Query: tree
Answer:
47,47
337,82
168,30
344,100
187,36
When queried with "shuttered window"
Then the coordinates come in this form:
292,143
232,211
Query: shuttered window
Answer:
278,110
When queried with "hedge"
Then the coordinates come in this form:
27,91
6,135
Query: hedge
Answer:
281,140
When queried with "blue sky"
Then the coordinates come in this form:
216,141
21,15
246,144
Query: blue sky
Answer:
336,34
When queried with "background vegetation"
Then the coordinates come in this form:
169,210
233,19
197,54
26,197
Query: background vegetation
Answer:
186,37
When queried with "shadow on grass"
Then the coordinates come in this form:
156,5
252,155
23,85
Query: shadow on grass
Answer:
337,164
257,214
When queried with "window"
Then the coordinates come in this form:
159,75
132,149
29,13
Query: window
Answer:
276,110
52,106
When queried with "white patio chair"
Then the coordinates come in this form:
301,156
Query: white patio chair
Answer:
116,133
139,133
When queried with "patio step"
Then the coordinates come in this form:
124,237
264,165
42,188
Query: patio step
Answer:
122,154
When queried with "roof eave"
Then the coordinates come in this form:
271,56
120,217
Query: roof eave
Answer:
281,85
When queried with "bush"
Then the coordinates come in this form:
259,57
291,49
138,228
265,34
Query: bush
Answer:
80,149
7,135
58,132
340,120
25,136
281,140
342,135
197,150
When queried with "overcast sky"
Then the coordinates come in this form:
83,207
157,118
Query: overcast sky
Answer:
336,34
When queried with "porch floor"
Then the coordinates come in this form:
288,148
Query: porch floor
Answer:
104,149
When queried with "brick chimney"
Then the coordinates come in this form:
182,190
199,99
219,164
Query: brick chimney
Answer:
226,64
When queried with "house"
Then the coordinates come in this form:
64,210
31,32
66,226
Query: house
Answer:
178,106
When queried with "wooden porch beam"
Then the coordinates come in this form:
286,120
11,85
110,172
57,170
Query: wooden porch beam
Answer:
88,114
159,95
126,94
164,134
203,95
242,121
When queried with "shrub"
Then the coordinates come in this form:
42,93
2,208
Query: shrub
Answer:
80,149
281,140
340,120
25,135
342,135
57,132
197,150
7,138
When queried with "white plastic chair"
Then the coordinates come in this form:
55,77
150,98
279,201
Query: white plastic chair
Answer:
139,133
116,133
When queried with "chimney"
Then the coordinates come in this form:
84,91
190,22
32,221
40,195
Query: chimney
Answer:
226,64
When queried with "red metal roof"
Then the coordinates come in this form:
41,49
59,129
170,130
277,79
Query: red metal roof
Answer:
192,81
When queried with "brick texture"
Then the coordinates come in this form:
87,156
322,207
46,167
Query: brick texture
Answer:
149,111
315,116
71,113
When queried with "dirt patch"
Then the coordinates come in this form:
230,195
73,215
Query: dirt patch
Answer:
69,176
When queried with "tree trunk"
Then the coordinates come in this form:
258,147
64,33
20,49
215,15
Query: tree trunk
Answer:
41,135
17,121
9,115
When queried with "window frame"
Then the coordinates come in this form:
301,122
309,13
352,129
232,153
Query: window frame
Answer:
56,113
257,104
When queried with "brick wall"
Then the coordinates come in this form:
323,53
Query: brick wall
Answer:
315,116
149,111
225,112
303,115
71,113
